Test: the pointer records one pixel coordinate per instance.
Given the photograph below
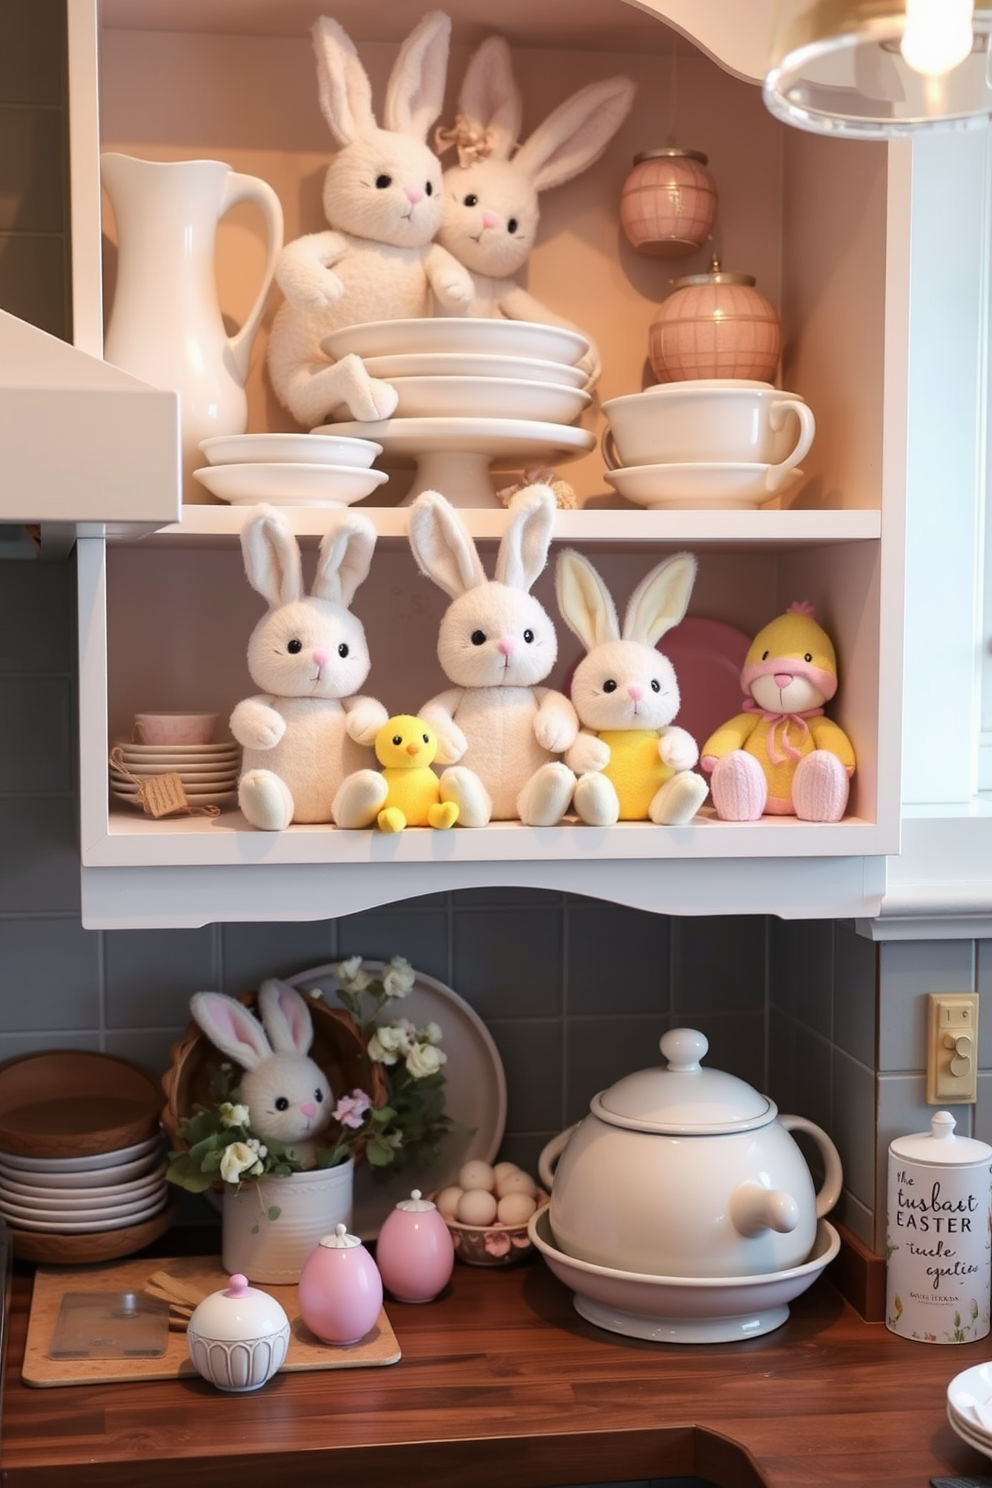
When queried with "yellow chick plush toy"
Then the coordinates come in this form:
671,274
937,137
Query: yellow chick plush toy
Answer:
405,747
781,756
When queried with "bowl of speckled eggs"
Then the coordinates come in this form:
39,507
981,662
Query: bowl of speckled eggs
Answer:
487,1210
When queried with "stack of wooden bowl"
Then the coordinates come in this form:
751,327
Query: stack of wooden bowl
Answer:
82,1159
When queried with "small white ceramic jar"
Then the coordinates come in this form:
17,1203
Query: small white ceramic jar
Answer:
239,1337
939,1217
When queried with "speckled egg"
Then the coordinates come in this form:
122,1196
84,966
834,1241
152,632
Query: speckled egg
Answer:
477,1206
476,1174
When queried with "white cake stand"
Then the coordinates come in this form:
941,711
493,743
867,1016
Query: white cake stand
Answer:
454,455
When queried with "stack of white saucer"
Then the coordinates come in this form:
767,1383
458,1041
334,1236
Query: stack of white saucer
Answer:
209,772
969,1407
84,1195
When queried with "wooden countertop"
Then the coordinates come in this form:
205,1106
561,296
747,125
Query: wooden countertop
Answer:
502,1382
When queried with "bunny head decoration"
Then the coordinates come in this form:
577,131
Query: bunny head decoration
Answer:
383,202
632,763
288,1096
491,196
309,727
497,728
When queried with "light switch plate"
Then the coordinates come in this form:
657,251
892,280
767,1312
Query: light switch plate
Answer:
952,1048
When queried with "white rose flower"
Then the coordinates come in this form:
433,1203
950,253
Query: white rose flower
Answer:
237,1160
350,974
430,1033
231,1115
424,1059
389,1042
399,977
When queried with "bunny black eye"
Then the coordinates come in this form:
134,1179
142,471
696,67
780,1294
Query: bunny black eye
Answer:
528,636
318,1096
342,650
294,647
282,1104
471,200
609,685
382,182
428,189
511,226
478,638
655,685
808,656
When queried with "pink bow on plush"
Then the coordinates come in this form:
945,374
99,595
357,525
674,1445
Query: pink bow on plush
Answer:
780,724
471,142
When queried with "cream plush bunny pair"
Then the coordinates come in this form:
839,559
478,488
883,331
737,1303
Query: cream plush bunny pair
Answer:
383,199
491,205
288,1096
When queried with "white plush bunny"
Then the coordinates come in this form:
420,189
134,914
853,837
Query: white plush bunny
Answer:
288,1096
491,209
496,644
383,200
631,763
309,654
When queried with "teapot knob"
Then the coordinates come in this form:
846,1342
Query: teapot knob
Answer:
684,1048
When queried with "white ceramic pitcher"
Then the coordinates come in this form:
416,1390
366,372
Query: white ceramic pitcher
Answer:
165,324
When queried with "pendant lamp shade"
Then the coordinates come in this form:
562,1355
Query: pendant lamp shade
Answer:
840,66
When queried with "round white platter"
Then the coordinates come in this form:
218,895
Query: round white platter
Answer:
56,1169
499,337
472,364
289,449
475,1092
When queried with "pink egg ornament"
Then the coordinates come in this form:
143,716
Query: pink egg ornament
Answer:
415,1251
340,1289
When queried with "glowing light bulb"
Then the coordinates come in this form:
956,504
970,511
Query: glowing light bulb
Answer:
938,35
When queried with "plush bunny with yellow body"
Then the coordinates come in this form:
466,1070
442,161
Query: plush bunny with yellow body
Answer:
780,756
632,763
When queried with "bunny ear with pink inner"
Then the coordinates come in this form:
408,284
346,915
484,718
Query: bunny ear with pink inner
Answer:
489,103
343,86
231,1028
415,91
286,1017
523,551
576,133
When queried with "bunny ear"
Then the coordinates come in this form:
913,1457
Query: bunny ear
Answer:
272,557
442,546
490,100
231,1028
286,1017
344,560
415,92
584,601
576,133
524,549
344,89
660,599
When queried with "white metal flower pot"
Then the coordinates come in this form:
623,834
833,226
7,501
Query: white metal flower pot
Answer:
273,1250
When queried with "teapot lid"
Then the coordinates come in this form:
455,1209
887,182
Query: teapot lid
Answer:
415,1204
340,1240
684,1099
940,1145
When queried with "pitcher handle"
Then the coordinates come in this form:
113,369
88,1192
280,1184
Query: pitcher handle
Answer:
777,415
833,1180
239,187
550,1154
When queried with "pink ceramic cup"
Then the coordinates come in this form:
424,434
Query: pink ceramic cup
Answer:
174,728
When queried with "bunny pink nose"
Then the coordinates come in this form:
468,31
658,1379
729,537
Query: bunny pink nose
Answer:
635,691
782,679
489,219
320,657
414,194
309,1110
507,645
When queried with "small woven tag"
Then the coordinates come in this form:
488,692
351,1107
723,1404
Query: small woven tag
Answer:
161,795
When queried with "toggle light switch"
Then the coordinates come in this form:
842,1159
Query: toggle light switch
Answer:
952,1048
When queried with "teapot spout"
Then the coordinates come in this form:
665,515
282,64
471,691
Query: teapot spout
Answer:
754,1209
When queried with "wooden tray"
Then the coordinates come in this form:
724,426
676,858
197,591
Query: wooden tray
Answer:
51,1283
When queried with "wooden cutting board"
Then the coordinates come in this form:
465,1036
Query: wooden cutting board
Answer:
52,1282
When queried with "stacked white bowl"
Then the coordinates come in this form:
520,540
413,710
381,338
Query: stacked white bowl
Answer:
969,1407
716,442
290,469
84,1195
176,744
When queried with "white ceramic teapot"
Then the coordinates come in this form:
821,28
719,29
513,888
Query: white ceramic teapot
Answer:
687,1172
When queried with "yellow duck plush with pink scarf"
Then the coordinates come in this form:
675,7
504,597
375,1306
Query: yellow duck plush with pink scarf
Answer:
780,756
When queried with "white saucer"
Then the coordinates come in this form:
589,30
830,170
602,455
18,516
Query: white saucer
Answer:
95,1225
34,1197
500,337
496,437
680,487
473,364
288,484
487,397
57,1170
194,753
290,449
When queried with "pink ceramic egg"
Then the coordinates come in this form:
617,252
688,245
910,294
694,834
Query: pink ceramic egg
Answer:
340,1289
415,1251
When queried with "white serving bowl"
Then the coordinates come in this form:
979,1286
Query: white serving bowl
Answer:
282,484
681,1309
291,449
524,338
487,397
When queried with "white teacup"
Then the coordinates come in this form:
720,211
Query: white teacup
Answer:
711,421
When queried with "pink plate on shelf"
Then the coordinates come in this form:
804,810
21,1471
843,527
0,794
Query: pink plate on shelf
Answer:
707,656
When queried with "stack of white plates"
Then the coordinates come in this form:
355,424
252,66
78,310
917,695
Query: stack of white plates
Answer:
505,369
84,1195
969,1407
209,772
290,469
